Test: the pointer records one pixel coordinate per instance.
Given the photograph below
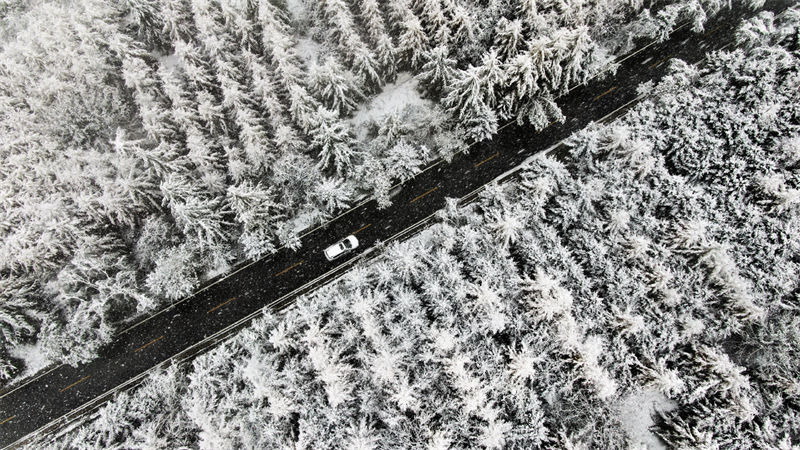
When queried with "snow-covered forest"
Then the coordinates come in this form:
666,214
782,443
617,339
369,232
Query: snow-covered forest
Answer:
148,145
651,268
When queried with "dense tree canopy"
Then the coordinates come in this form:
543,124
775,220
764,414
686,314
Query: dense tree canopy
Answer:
205,120
658,254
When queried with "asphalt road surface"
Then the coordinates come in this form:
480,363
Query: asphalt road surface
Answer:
35,409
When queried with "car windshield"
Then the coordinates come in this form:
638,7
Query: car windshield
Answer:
345,245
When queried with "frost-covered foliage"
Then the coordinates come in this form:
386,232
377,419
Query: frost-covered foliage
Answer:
180,136
145,144
503,60
487,61
131,418
659,253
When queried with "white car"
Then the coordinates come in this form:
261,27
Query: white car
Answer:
340,248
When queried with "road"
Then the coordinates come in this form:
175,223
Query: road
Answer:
47,403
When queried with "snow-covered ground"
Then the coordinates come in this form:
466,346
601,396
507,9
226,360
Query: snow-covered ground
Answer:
636,415
309,50
394,97
298,9
170,62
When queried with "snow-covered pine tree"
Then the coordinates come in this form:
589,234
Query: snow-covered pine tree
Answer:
148,23
375,25
412,41
330,84
256,209
334,142
436,23
437,72
331,195
509,37
176,16
18,303
343,30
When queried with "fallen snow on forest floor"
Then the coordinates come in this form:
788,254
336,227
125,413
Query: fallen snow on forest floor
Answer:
636,415
392,99
309,50
298,9
170,62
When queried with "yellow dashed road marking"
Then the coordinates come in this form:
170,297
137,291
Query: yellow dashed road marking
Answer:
149,344
76,383
605,93
221,305
488,159
423,195
712,31
362,228
658,63
288,268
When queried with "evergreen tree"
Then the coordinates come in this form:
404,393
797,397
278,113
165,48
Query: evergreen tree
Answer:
330,84
385,50
412,41
509,37
334,142
175,273
177,19
331,195
343,31
256,209
463,26
438,70
436,23
17,307
146,15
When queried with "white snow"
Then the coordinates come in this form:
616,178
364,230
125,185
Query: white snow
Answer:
170,62
635,414
393,98
309,50
298,9
220,268
303,222
33,356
